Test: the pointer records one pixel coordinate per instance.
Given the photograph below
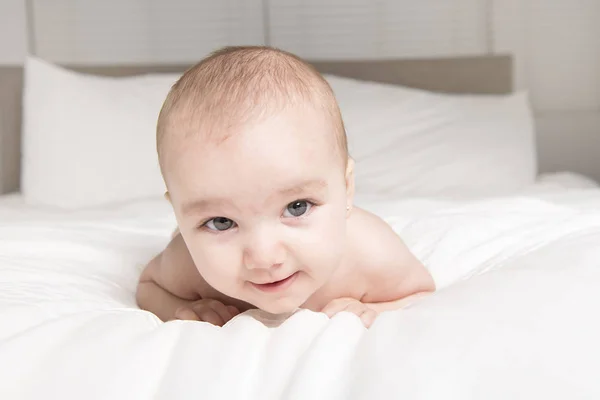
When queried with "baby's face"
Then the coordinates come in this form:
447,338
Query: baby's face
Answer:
264,212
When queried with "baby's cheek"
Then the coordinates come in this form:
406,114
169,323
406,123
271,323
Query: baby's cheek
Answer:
325,246
218,266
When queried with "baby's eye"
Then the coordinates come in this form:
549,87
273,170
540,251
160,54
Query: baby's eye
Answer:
297,208
219,224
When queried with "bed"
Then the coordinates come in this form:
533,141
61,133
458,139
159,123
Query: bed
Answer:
517,271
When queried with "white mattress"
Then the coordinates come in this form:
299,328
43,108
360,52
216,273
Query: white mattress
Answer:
515,316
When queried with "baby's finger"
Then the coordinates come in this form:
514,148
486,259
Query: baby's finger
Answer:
355,308
368,317
222,310
207,314
331,310
185,313
335,307
233,310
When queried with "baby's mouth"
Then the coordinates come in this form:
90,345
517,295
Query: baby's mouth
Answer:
276,285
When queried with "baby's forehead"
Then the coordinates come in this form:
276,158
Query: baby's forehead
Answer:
285,124
258,160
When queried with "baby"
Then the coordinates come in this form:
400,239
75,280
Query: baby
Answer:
253,152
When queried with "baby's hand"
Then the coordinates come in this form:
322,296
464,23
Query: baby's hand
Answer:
207,310
367,315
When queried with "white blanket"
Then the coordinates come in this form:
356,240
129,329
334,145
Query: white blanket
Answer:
516,315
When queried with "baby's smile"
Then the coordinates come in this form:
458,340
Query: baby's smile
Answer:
276,285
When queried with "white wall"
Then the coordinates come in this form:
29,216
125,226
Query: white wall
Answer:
557,45
557,51
13,32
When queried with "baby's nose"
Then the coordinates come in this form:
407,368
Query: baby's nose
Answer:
262,259
264,252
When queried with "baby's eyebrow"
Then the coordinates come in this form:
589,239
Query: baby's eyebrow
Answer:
303,187
195,205
297,189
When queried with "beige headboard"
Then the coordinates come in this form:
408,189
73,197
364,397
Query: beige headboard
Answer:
485,74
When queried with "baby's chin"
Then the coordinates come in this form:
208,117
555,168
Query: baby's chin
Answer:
280,307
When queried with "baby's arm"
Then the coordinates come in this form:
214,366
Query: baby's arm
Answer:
393,275
169,282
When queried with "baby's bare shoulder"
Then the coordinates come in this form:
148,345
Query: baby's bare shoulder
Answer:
174,270
371,237
382,259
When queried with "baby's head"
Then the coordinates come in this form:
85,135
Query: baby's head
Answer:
253,152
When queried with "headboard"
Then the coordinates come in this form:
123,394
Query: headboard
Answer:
482,74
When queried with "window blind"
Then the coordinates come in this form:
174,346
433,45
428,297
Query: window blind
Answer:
344,29
142,31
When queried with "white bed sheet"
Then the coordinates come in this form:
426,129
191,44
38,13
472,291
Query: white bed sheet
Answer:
515,316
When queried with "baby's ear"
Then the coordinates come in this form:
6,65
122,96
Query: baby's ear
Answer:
168,196
350,182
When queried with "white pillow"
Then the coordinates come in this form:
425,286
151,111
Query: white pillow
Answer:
89,140
409,142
